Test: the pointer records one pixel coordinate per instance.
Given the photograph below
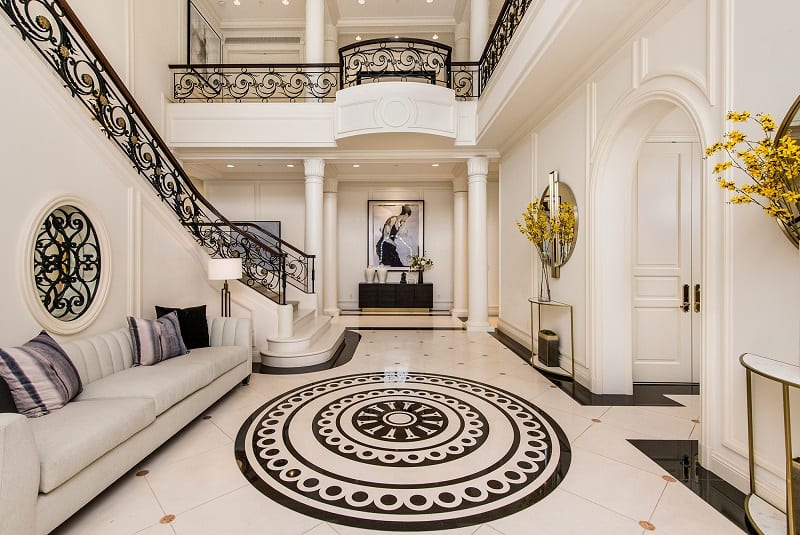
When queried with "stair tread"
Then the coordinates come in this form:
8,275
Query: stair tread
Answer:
306,330
327,341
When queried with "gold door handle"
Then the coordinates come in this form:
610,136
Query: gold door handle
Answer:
697,298
686,303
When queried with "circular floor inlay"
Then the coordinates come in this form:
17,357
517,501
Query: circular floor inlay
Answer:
409,452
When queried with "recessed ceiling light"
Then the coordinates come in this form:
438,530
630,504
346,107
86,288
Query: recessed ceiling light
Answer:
358,38
397,37
434,165
362,2
230,166
289,165
285,2
237,2
435,36
356,165
429,1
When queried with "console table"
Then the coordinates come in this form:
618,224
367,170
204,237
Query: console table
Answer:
395,295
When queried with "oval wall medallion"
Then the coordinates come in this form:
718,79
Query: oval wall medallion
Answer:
67,266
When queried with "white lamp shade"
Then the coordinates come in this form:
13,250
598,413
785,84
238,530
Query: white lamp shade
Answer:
224,269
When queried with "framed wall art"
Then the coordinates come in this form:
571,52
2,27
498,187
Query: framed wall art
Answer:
204,45
395,232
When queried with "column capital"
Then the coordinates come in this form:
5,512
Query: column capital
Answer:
459,185
478,165
331,185
314,167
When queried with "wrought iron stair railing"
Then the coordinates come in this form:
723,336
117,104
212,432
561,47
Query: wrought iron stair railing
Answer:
56,33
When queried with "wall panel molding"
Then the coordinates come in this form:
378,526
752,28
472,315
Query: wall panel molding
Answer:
134,282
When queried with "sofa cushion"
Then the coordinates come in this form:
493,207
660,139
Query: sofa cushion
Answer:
156,340
194,326
71,438
40,375
166,383
221,359
101,355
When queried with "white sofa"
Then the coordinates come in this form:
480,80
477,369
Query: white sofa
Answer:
52,466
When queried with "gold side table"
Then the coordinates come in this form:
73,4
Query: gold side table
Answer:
538,304
766,518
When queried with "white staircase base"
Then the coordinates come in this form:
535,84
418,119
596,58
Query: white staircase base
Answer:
313,341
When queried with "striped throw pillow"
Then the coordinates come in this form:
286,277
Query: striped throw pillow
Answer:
40,376
155,340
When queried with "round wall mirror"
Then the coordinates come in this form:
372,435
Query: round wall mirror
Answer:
565,222
791,127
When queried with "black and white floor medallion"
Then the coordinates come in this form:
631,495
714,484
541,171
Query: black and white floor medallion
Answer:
409,452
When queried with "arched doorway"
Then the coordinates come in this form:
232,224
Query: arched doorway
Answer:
612,195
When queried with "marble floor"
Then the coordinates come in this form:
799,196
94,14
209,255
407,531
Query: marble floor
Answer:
192,484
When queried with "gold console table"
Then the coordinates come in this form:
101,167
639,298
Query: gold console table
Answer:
538,304
766,518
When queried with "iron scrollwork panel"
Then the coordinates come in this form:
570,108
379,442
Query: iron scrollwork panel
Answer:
66,263
378,59
250,83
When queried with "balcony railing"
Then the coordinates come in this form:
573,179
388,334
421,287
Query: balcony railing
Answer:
377,60
264,83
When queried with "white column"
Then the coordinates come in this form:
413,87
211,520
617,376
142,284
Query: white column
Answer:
461,48
459,248
331,44
478,28
315,31
315,173
478,320
330,286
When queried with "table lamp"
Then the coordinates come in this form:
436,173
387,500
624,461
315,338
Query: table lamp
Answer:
225,269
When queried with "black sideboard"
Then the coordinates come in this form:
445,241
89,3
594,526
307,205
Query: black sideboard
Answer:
395,295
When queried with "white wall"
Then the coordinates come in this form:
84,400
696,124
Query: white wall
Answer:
750,271
140,38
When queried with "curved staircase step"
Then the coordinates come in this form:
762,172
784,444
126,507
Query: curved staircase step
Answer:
320,347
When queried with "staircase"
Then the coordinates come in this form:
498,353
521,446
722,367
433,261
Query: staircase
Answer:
269,264
314,340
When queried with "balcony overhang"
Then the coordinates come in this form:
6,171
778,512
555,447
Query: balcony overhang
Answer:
396,107
358,112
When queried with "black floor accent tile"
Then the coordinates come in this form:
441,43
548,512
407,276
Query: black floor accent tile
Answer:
342,355
644,394
680,459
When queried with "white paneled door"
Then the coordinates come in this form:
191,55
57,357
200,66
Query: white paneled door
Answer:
665,256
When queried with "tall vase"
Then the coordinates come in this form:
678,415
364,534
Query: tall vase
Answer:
419,276
382,274
544,281
369,273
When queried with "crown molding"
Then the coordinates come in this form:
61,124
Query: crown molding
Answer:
263,24
392,23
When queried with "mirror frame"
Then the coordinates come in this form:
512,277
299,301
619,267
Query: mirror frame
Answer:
783,129
567,195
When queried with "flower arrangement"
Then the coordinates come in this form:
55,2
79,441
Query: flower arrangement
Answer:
552,234
773,169
542,230
419,263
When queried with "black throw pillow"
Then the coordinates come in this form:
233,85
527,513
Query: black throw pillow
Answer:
6,400
194,326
